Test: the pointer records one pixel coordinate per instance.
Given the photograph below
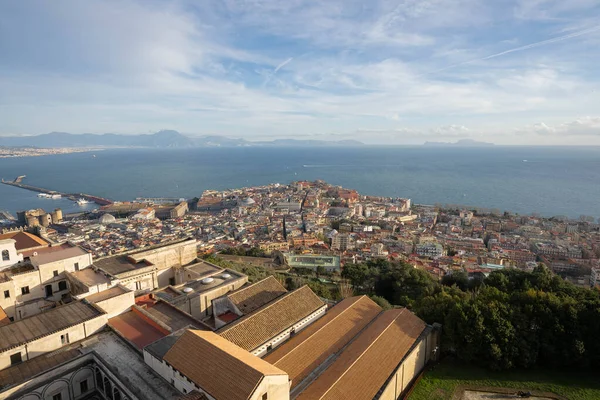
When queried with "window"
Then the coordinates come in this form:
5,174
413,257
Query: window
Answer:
57,396
55,272
7,294
64,339
62,285
269,347
265,396
184,391
172,281
83,386
76,265
11,319
25,290
5,255
15,359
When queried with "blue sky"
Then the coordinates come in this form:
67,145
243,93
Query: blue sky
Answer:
391,72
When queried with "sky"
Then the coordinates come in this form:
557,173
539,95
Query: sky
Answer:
386,72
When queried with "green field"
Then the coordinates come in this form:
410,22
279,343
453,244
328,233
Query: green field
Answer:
440,382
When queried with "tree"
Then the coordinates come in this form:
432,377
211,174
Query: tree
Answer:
320,271
458,278
383,303
345,289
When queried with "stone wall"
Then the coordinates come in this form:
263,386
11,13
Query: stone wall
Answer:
169,256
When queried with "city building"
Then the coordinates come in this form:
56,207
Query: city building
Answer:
342,242
268,326
40,281
429,249
245,300
311,261
200,284
34,336
9,255
226,372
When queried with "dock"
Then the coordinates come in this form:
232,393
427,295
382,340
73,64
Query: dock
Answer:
18,182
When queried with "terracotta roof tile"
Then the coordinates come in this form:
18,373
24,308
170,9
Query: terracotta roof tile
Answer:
365,365
252,330
201,356
24,240
300,355
252,297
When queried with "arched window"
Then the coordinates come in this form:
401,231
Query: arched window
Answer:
107,388
117,395
5,255
99,382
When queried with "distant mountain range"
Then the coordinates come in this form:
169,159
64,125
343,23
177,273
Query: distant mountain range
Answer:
161,139
459,143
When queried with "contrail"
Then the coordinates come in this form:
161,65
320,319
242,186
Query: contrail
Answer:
283,64
522,48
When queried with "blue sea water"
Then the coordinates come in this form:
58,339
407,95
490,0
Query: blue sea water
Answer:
546,180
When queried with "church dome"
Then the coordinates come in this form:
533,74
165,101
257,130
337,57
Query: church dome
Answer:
107,219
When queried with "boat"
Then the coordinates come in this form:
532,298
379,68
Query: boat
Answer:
55,196
44,195
82,202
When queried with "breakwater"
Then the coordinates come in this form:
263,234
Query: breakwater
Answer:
18,182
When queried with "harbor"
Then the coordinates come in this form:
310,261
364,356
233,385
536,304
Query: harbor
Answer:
80,198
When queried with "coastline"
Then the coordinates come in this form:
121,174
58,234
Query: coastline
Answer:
21,152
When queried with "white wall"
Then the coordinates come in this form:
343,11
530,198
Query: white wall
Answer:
172,376
53,342
283,336
67,264
13,257
118,304
275,386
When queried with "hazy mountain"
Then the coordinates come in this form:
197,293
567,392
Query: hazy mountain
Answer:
301,143
161,139
63,139
459,143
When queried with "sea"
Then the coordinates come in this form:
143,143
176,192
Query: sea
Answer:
548,181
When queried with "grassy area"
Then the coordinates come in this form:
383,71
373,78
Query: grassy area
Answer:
440,382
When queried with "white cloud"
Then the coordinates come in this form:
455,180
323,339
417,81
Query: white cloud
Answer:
270,67
585,126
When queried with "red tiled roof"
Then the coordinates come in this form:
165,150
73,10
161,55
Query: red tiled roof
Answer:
24,240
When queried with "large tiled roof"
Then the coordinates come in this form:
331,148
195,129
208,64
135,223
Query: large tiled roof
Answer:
252,297
365,364
303,353
252,330
24,240
37,326
201,356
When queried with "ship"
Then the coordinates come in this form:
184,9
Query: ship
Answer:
44,195
82,202
56,196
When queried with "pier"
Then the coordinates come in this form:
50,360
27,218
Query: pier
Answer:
18,182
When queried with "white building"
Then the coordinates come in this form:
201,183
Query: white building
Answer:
9,256
226,371
595,277
29,287
341,242
430,249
